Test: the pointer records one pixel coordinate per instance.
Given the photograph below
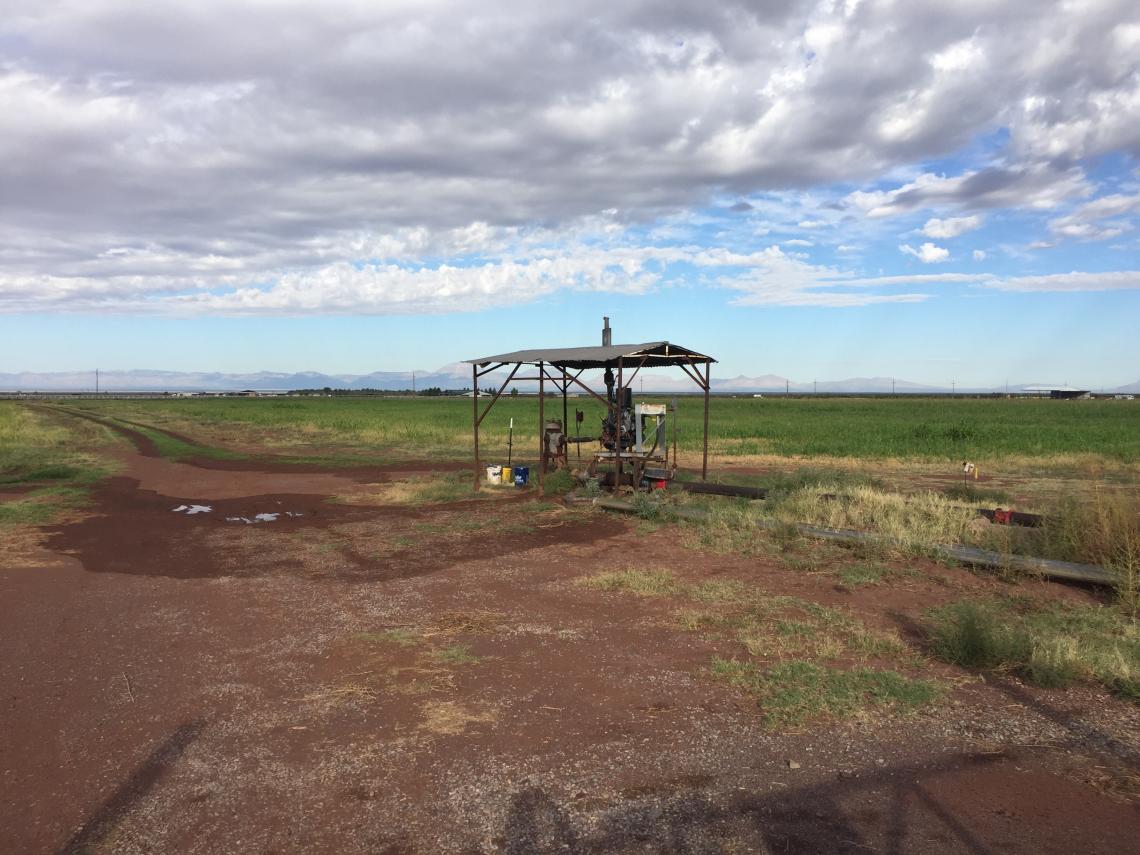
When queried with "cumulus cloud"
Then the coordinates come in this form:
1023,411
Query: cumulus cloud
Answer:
950,227
979,255
215,154
928,253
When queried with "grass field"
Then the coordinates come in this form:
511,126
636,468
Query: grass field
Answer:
1058,432
48,465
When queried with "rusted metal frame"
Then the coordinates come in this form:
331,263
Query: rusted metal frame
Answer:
617,423
475,418
541,430
601,398
510,376
704,384
494,367
694,377
705,459
638,368
565,419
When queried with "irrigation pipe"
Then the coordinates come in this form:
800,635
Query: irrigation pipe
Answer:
966,554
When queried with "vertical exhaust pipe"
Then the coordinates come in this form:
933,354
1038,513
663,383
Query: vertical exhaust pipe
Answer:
607,338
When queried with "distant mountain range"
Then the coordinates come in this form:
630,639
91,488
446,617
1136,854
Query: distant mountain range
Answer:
455,376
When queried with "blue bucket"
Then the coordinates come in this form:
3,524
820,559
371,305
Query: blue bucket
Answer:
522,475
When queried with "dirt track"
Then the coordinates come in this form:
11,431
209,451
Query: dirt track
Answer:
175,682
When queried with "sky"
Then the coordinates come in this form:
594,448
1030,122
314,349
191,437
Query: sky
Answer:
940,192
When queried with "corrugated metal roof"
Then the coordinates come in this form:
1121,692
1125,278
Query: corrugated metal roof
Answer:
656,353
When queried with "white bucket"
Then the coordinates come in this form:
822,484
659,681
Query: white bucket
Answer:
494,474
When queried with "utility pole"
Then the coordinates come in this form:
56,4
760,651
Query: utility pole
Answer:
892,385
413,383
814,386
96,382
953,390
787,387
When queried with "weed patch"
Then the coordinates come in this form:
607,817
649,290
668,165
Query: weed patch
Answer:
858,575
797,691
558,483
1049,646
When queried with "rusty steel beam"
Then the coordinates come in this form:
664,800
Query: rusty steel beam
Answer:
499,393
494,367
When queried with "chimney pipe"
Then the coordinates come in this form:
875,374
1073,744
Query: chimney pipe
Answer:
606,337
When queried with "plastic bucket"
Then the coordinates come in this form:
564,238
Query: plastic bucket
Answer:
522,475
494,474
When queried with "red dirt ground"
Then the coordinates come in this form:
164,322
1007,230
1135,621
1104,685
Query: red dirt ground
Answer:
397,679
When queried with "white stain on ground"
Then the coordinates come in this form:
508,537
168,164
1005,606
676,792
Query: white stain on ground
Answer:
192,509
264,517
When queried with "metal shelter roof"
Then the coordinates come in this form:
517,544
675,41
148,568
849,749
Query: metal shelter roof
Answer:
656,354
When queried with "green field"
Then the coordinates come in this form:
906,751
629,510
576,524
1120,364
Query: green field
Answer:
864,428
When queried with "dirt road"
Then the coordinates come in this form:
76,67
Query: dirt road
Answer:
345,678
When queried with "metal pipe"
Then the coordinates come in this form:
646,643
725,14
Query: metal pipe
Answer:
1047,567
705,488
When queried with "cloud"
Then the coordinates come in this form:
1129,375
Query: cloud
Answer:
1122,280
214,148
979,255
1086,221
1039,187
797,242
928,253
950,227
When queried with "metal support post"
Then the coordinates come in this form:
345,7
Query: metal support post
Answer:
475,419
541,430
617,422
705,459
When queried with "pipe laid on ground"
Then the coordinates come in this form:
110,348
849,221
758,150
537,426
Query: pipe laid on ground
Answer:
710,489
966,554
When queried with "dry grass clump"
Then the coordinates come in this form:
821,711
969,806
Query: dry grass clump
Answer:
644,583
1105,531
434,488
912,523
449,718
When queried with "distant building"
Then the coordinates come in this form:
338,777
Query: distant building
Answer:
1057,393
